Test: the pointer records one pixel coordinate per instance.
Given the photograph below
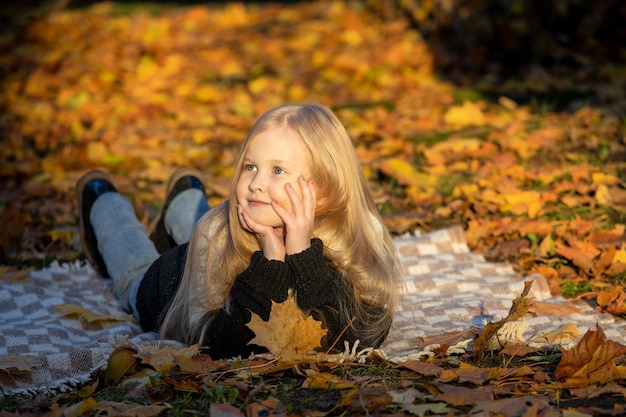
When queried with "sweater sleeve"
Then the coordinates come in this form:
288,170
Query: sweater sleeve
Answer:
253,291
325,292
158,287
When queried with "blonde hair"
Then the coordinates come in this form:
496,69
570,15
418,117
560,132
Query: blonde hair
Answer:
347,221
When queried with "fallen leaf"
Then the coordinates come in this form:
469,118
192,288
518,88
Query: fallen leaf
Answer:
128,409
90,319
473,374
406,174
577,256
423,368
288,333
267,408
468,114
225,410
407,396
541,308
450,339
595,392
526,405
81,408
603,239
562,334
423,409
16,364
613,300
8,274
456,395
163,358
324,380
518,309
591,361
122,359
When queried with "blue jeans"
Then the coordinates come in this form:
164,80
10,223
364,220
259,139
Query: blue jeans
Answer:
123,241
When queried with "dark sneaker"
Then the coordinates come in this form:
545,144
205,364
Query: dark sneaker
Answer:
88,188
182,179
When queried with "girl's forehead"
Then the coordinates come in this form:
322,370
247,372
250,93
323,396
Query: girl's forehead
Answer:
280,139
278,145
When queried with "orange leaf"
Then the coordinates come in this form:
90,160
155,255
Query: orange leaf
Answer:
613,300
288,333
578,257
405,173
466,115
591,361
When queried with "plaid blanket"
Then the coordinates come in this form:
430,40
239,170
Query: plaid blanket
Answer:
447,291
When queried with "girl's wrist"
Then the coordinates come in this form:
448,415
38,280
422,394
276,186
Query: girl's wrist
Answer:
298,247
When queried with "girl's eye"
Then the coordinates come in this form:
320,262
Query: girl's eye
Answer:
249,167
278,170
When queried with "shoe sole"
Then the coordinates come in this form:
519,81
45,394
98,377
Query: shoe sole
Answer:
80,186
178,174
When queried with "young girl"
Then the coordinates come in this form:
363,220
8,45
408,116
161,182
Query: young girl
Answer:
300,218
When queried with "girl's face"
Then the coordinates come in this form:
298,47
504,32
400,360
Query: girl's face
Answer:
272,159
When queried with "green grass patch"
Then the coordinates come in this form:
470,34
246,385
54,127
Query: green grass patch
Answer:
572,289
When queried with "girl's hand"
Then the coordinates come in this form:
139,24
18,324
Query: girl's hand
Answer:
300,223
270,239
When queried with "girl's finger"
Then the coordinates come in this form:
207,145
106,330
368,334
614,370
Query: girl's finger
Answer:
280,210
242,219
309,197
294,197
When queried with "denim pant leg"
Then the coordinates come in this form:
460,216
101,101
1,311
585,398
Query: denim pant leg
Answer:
124,244
183,213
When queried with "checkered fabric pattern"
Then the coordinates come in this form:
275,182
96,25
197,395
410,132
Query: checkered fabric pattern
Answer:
446,290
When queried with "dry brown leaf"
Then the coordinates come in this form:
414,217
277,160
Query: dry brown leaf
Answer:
122,359
10,274
423,368
473,374
325,380
199,364
605,259
90,319
165,357
521,350
604,239
518,309
288,333
18,364
450,339
269,407
456,395
577,256
540,308
128,409
562,334
591,361
613,300
527,405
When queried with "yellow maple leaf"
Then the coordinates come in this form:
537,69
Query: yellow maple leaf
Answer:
288,333
469,114
406,174
90,319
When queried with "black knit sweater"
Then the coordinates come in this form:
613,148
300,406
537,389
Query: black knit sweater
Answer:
317,286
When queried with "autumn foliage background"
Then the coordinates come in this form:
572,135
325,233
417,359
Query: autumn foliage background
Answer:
515,133
507,119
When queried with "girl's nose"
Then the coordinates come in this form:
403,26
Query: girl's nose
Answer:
256,184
